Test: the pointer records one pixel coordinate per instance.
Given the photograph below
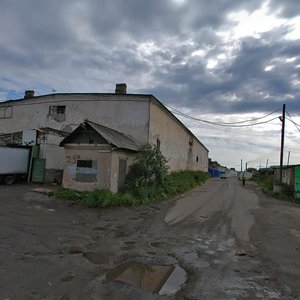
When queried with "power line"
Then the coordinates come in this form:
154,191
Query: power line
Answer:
291,120
233,124
292,140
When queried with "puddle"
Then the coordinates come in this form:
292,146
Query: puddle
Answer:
108,232
129,243
127,247
157,279
95,258
68,278
157,244
74,251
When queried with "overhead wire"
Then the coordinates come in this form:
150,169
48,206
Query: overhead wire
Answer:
292,139
292,121
224,124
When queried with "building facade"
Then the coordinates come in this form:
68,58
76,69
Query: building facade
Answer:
97,157
143,117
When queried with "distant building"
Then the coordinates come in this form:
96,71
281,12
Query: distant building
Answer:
143,117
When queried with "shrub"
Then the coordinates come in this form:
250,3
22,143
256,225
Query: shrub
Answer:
175,183
148,173
179,182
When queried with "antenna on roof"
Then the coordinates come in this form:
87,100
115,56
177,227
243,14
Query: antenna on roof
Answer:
53,91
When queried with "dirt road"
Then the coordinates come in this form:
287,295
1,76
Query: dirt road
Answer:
219,241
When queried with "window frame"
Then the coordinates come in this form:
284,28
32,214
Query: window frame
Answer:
57,110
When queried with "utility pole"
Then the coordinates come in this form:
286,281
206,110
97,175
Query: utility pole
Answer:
241,165
282,119
267,163
288,162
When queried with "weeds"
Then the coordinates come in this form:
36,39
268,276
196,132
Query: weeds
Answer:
175,183
267,183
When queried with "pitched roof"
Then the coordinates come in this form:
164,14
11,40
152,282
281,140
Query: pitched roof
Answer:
111,136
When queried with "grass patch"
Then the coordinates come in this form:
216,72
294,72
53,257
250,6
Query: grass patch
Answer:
175,183
267,183
179,182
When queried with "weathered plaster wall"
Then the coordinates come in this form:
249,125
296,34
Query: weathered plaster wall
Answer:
177,144
116,156
54,155
50,150
100,154
125,113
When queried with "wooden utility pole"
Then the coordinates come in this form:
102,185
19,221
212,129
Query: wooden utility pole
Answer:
282,119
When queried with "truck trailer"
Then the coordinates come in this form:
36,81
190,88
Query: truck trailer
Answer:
13,162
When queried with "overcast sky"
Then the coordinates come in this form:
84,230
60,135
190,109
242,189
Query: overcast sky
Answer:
217,60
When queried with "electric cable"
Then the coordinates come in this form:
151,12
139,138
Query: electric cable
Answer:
232,124
292,140
291,120
222,124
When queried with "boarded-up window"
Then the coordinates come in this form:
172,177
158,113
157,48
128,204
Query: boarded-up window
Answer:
86,170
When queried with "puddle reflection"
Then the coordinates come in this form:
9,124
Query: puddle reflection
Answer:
152,278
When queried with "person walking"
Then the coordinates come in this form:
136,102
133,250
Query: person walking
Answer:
243,179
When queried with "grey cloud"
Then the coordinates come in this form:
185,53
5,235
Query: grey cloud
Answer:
290,8
42,46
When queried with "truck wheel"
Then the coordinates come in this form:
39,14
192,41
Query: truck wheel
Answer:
9,179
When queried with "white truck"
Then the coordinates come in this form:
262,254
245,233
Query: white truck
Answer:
13,162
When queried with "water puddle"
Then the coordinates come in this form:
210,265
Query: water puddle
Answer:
163,280
67,278
96,258
157,244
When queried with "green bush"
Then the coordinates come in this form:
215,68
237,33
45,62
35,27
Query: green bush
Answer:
174,184
148,173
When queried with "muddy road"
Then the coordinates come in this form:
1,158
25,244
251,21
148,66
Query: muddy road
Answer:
219,241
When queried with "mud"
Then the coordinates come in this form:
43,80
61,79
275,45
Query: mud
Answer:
230,243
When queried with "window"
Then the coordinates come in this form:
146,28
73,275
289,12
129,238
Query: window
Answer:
6,112
86,170
197,158
84,163
57,110
158,143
